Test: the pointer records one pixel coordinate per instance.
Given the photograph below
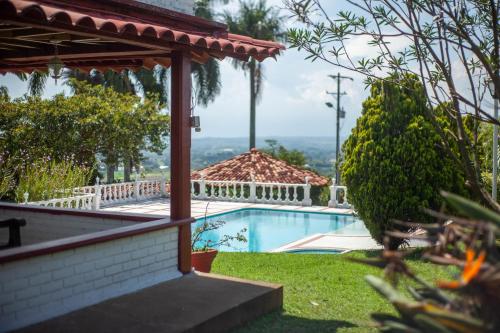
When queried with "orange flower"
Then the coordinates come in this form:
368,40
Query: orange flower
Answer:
471,269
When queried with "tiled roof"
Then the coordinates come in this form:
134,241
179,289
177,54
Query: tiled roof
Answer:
134,20
262,168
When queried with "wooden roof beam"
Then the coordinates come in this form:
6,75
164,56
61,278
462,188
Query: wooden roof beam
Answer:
81,52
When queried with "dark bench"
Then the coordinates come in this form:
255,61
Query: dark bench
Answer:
14,226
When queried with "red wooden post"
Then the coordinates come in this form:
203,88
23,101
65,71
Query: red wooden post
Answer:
180,157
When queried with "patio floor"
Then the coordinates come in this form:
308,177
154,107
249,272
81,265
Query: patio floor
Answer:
161,206
193,303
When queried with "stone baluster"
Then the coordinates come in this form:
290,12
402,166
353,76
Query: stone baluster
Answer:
136,187
193,194
203,189
112,193
97,194
253,191
119,192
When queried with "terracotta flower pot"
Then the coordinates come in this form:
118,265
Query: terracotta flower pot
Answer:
202,260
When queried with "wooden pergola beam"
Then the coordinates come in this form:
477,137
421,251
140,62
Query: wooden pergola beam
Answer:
82,52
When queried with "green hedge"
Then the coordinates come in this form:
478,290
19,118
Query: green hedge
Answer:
394,165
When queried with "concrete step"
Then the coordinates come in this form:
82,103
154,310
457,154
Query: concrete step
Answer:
197,302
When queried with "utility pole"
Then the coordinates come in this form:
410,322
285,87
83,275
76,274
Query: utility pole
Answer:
340,114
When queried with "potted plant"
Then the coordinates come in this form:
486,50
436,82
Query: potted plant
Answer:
203,250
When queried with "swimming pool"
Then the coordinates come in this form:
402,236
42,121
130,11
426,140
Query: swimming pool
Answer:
270,229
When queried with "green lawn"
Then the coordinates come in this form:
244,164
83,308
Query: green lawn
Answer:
322,293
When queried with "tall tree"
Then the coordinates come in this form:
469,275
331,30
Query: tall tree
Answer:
393,163
257,20
453,47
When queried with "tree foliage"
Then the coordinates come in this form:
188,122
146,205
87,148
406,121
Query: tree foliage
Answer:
394,165
453,47
293,157
257,20
45,179
95,120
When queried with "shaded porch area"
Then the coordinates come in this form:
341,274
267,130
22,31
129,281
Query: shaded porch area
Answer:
196,302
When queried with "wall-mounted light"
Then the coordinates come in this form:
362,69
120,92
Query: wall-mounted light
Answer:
195,123
55,65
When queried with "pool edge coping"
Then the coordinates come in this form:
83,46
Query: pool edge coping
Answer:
270,209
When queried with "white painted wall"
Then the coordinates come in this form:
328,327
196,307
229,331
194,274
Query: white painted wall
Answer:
42,287
183,6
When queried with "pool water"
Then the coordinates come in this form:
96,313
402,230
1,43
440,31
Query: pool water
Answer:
270,229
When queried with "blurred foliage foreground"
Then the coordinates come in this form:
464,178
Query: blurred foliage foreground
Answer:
467,304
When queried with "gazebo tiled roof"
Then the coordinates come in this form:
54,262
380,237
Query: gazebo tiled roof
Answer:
261,167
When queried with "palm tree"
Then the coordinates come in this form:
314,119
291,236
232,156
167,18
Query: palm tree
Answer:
206,76
206,80
256,20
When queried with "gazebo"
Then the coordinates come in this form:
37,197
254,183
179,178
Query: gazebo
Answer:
256,177
258,166
116,35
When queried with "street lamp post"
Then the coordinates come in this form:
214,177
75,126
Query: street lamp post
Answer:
340,114
491,87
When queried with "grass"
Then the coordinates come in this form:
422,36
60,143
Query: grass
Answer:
322,293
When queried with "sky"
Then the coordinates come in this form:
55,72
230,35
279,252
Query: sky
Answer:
294,94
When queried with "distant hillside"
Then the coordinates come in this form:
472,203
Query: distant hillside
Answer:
319,151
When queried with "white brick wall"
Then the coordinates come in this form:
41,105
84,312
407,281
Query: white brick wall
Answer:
43,287
183,6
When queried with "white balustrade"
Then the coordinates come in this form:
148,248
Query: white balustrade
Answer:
117,193
138,190
82,201
252,192
94,197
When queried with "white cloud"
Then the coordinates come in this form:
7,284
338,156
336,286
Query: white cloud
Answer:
359,47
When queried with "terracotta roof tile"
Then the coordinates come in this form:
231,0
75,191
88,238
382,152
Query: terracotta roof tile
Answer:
262,168
156,23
